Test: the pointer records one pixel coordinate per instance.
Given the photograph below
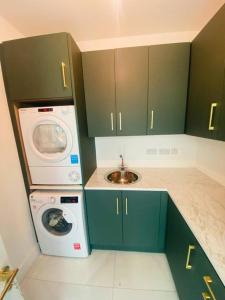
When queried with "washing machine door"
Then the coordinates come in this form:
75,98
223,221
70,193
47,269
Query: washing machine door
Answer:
56,220
50,139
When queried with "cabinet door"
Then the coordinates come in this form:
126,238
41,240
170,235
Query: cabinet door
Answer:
206,78
37,67
179,238
168,82
210,282
99,83
104,213
131,90
141,211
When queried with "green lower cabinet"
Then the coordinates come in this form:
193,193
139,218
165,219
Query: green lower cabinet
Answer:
141,216
210,283
187,260
104,212
128,220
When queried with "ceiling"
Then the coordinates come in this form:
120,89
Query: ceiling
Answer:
101,19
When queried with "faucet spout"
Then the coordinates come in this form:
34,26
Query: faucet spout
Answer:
122,167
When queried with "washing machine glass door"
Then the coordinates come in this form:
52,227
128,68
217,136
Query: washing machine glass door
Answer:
55,223
51,140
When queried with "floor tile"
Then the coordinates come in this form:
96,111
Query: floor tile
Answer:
34,289
121,294
147,271
96,270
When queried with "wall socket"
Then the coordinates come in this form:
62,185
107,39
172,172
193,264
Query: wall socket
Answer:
162,151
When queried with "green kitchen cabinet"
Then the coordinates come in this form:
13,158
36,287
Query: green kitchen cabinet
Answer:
167,93
37,67
99,83
104,213
131,65
211,285
188,262
141,217
206,88
127,220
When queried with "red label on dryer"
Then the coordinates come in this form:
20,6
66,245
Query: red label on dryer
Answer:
76,246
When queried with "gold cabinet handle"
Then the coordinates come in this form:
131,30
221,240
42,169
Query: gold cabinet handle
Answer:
206,296
7,276
188,265
112,123
120,121
208,281
117,206
63,67
126,206
213,106
152,120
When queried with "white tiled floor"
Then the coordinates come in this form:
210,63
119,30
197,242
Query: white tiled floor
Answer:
105,275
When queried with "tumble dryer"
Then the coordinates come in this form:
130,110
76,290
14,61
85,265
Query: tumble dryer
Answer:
50,139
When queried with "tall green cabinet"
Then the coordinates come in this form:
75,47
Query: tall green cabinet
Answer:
206,102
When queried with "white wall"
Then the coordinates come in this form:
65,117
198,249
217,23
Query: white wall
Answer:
15,222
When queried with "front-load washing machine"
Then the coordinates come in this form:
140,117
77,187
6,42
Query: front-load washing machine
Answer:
50,139
59,221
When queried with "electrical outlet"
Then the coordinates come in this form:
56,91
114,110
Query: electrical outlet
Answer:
164,151
151,151
174,151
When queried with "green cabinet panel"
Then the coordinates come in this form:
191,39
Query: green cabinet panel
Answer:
207,79
127,220
179,238
189,281
33,67
204,268
99,82
104,212
141,220
131,90
168,81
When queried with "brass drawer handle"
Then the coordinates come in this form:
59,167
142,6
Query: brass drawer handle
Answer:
126,208
188,265
208,281
63,66
7,276
152,120
213,106
117,206
206,296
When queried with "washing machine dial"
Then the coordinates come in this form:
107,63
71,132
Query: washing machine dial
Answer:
74,176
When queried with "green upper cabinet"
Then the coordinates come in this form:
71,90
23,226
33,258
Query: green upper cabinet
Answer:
206,88
104,213
99,82
167,94
131,67
141,220
37,67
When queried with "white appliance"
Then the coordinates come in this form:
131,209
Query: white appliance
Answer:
50,140
59,221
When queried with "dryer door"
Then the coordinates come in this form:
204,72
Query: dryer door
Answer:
56,221
50,139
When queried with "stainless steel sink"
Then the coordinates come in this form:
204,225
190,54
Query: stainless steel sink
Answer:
122,177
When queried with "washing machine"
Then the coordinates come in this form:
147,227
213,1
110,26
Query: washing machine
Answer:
59,221
50,140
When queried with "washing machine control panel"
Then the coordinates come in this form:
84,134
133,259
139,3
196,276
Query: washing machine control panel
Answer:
69,199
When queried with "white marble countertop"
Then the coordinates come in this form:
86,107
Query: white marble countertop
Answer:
200,199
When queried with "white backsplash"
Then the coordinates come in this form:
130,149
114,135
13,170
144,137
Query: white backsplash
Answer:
147,151
164,151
